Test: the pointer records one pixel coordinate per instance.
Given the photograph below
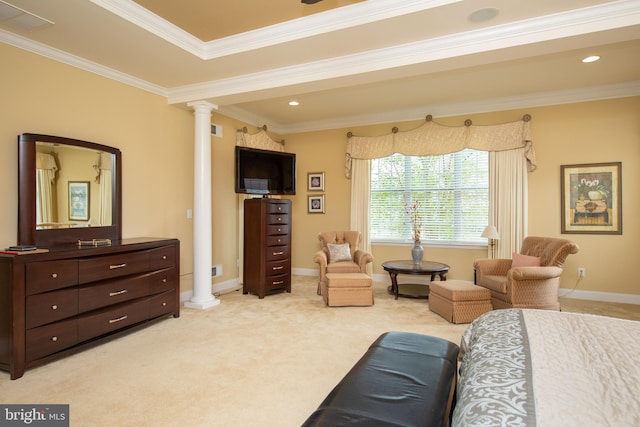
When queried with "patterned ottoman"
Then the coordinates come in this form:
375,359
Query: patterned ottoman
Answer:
459,301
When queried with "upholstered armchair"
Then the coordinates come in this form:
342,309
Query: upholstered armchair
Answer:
340,253
530,279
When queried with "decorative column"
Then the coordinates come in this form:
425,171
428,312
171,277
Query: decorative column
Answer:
202,242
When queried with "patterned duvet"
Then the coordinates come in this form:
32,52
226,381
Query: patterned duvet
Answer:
547,368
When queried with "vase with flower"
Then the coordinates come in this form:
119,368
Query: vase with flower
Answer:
417,251
591,189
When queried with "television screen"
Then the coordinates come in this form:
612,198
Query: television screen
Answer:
265,172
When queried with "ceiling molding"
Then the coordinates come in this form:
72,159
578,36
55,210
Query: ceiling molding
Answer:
542,99
78,62
567,24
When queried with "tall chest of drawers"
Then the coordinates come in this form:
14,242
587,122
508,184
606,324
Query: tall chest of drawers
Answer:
267,246
60,302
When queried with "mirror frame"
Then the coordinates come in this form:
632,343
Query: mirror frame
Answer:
27,232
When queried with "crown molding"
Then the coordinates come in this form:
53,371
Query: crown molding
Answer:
540,99
562,25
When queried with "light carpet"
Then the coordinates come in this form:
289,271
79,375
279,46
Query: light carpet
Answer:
246,362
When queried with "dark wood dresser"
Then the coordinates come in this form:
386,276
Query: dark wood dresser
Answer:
267,246
60,302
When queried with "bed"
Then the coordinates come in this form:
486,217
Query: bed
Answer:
547,368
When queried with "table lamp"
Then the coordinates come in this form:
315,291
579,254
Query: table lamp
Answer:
492,235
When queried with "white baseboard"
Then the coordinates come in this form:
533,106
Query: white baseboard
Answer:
216,289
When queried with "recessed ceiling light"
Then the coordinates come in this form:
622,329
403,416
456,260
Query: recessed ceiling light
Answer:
483,15
294,103
592,58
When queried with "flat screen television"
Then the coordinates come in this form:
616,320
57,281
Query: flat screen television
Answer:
265,172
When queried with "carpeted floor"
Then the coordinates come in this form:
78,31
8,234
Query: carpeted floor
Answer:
246,362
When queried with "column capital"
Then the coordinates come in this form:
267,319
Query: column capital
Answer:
202,106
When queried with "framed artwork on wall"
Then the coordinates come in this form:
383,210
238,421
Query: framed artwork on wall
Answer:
79,200
591,198
316,204
315,181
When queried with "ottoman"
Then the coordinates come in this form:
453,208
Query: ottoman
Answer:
459,301
348,289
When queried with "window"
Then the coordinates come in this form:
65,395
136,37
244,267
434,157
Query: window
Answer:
452,191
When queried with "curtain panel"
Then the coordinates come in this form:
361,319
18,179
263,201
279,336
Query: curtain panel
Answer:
434,139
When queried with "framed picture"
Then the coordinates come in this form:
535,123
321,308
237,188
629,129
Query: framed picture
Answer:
315,181
79,200
591,198
316,204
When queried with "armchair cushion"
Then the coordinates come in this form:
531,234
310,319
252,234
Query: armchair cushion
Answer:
520,260
339,252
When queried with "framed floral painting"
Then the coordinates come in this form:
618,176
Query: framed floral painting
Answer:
591,198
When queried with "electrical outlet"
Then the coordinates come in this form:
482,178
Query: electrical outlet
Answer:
582,272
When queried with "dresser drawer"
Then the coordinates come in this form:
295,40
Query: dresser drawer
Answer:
107,267
279,208
274,253
163,303
49,275
163,280
278,219
113,292
51,339
111,319
278,282
50,307
277,240
276,230
163,257
274,268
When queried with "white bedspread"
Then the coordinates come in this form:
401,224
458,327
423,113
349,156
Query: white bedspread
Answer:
546,368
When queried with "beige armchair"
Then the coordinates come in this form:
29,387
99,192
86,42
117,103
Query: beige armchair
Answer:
354,261
530,286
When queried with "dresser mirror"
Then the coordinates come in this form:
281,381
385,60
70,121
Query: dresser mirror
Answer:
68,190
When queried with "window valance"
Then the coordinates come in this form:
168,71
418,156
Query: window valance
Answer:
259,140
434,139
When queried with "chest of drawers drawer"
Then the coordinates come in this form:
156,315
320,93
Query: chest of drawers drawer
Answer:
112,318
278,207
51,339
278,240
274,253
162,303
50,307
277,219
163,257
111,292
278,282
107,267
277,229
279,267
50,275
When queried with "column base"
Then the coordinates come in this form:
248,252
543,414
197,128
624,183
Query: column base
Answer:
202,305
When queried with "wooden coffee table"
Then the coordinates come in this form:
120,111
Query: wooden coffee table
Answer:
413,290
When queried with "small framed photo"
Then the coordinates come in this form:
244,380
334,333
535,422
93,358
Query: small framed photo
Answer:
316,204
79,200
591,198
315,181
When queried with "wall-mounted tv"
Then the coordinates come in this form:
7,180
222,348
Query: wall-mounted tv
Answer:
265,172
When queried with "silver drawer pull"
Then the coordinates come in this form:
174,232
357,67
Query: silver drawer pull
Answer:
164,257
54,339
113,294
279,282
164,280
54,275
278,267
279,219
119,319
279,229
116,266
279,208
54,307
164,304
278,253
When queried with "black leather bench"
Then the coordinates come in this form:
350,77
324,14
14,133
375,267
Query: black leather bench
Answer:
404,379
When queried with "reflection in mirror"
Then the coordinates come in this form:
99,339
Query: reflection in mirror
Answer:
62,168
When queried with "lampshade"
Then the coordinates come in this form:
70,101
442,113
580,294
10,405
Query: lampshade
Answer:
490,232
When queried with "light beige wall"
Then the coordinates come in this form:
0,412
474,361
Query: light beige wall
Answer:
156,139
592,132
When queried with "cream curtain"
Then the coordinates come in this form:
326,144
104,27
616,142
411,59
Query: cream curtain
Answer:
511,156
104,177
508,200
360,195
46,169
263,141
